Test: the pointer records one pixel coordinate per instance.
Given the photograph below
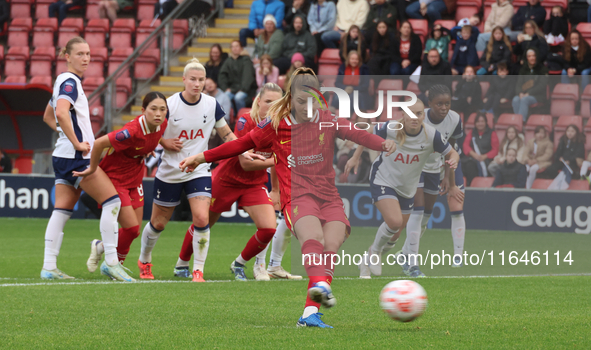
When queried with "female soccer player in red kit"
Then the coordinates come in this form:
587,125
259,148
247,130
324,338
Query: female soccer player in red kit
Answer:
124,164
303,151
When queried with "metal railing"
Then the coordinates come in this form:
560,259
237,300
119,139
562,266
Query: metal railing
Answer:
163,32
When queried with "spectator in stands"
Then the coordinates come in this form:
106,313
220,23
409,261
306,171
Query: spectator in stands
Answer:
299,40
5,163
512,140
480,147
109,8
584,173
163,8
570,152
258,10
532,11
501,90
439,40
497,50
216,59
297,61
269,42
467,97
556,27
4,13
60,8
380,11
266,72
353,41
349,12
531,85
353,75
537,154
431,73
431,9
237,77
211,89
383,50
499,16
297,7
511,172
465,53
531,37
410,50
577,56
321,18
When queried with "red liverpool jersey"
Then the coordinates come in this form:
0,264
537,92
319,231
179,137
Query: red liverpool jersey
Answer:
230,172
125,159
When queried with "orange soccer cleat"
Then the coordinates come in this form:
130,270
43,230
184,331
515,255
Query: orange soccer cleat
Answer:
198,276
145,270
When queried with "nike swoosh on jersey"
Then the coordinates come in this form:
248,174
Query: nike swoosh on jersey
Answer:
176,120
284,142
138,148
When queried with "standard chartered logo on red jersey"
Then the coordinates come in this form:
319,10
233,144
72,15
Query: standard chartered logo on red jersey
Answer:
311,159
291,161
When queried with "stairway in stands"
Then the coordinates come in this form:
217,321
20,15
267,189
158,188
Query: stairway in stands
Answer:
223,32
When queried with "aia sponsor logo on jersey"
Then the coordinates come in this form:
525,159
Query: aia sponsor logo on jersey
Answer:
122,135
193,134
240,124
400,158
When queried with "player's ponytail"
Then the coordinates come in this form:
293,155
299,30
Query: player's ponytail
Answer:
281,108
68,48
254,112
193,63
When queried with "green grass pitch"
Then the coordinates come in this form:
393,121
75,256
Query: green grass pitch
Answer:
548,308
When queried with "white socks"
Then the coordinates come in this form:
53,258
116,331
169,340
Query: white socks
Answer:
241,260
149,238
413,235
458,231
383,235
309,310
54,236
110,229
279,245
261,258
200,246
182,263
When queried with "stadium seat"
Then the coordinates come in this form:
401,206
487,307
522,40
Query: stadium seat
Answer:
42,8
180,32
420,27
23,165
533,121
561,125
15,62
477,3
44,32
16,79
413,87
330,56
18,32
482,182
464,11
116,58
585,29
96,67
145,10
446,23
146,64
566,92
143,32
121,33
42,80
42,61
484,86
89,85
92,10
585,102
505,121
68,29
325,70
541,184
579,185
123,90
61,65
97,113
96,31
560,107
470,122
20,8
384,86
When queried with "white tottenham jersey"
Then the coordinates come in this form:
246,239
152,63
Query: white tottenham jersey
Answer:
449,128
193,124
69,87
402,169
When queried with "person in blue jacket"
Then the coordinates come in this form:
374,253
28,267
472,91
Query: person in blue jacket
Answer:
258,10
465,53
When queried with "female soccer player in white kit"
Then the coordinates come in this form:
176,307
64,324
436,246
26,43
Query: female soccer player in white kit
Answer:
192,118
394,179
72,153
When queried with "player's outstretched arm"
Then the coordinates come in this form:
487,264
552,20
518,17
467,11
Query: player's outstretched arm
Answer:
364,138
95,156
49,117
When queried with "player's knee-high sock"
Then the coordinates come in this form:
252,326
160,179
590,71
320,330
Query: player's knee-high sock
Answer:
279,245
186,249
329,260
110,228
389,245
413,236
54,235
425,221
126,237
200,246
261,258
414,220
458,230
383,235
257,243
150,236
312,251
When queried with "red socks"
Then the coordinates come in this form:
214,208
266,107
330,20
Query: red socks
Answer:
187,248
312,252
257,243
329,268
126,237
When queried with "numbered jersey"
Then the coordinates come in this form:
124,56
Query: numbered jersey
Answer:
193,124
449,128
69,87
402,169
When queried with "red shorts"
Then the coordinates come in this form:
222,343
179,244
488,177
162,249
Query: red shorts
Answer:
222,196
325,211
133,197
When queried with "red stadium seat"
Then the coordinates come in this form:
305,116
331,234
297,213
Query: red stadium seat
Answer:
484,86
96,31
143,32
42,61
121,33
41,80
117,57
123,90
16,61
61,65
325,70
92,11
384,86
96,67
16,79
23,165
585,29
482,182
146,64
145,10
91,83
420,27
563,123
465,11
44,32
20,8
69,28
97,113
42,8
330,56
566,92
579,185
477,3
413,87
505,121
446,23
18,32
541,184
180,32
560,107
537,119
585,102
470,122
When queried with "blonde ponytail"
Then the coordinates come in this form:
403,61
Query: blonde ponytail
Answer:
193,64
68,48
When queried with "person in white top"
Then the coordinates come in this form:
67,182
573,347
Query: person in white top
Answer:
191,120
68,114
